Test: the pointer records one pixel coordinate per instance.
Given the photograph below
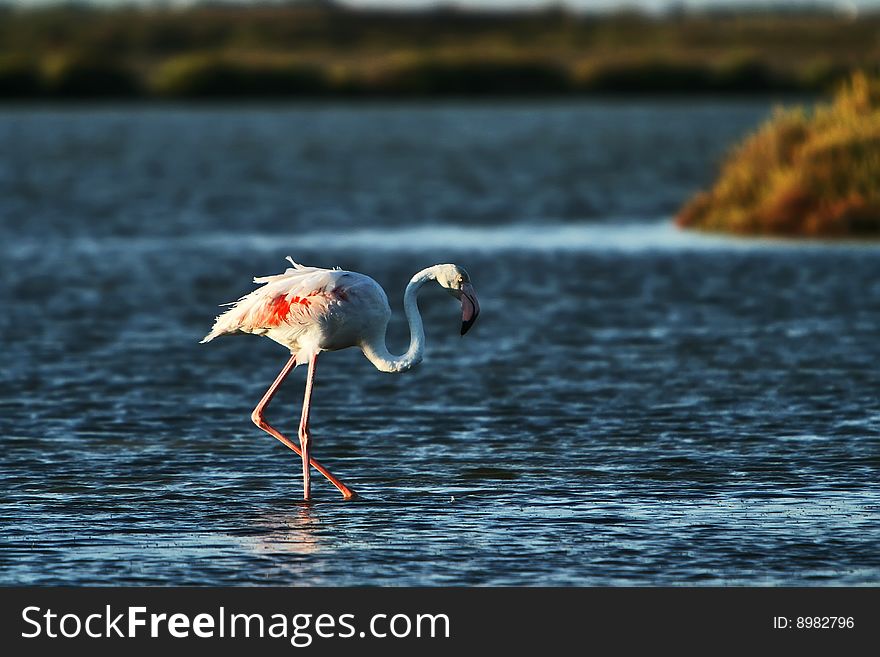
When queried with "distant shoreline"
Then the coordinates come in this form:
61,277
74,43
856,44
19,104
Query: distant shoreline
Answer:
63,53
243,102
234,85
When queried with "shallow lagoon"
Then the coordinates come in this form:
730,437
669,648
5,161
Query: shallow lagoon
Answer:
635,406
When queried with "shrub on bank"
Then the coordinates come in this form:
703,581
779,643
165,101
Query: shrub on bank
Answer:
802,173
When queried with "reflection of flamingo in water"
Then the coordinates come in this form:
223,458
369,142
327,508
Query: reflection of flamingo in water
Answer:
310,310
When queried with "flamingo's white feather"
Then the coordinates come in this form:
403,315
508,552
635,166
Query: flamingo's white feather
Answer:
307,309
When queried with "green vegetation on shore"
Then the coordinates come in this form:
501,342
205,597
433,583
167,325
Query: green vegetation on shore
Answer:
802,173
304,51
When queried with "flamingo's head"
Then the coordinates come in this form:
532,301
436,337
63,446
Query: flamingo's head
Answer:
456,280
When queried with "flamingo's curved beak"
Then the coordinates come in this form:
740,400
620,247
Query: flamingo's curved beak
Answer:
470,307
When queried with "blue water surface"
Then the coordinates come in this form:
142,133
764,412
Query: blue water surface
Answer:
635,406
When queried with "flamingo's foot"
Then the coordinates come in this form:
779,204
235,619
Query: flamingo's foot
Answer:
350,496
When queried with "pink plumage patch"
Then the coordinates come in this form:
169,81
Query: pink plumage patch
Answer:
278,310
295,300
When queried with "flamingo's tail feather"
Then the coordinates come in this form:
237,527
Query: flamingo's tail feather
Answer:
209,337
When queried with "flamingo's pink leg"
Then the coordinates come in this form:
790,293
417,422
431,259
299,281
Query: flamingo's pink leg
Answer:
305,436
257,418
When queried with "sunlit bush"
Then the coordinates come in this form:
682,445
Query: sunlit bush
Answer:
802,173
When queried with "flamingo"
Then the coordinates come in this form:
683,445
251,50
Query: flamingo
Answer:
310,310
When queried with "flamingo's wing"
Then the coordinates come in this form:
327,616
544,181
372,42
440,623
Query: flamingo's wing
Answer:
298,298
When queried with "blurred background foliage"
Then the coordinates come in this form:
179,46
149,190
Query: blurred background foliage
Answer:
306,50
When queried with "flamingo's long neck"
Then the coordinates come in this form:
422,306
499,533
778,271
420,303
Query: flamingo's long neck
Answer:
378,353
